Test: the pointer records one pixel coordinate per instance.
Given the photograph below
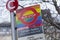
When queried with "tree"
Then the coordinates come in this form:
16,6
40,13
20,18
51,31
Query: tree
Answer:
47,14
49,23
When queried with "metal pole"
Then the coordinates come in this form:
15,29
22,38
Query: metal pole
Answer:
12,25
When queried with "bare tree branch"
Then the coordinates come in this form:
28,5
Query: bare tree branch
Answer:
57,8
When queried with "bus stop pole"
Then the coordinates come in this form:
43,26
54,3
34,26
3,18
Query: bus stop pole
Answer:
13,25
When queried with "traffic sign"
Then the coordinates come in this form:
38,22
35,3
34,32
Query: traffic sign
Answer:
12,5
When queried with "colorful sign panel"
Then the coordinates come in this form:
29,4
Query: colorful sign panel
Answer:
29,17
29,21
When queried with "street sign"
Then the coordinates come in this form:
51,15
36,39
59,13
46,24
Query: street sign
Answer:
12,5
35,15
29,16
29,23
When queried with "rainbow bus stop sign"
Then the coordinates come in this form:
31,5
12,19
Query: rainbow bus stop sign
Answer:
29,21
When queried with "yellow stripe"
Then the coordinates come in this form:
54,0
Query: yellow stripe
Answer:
28,13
